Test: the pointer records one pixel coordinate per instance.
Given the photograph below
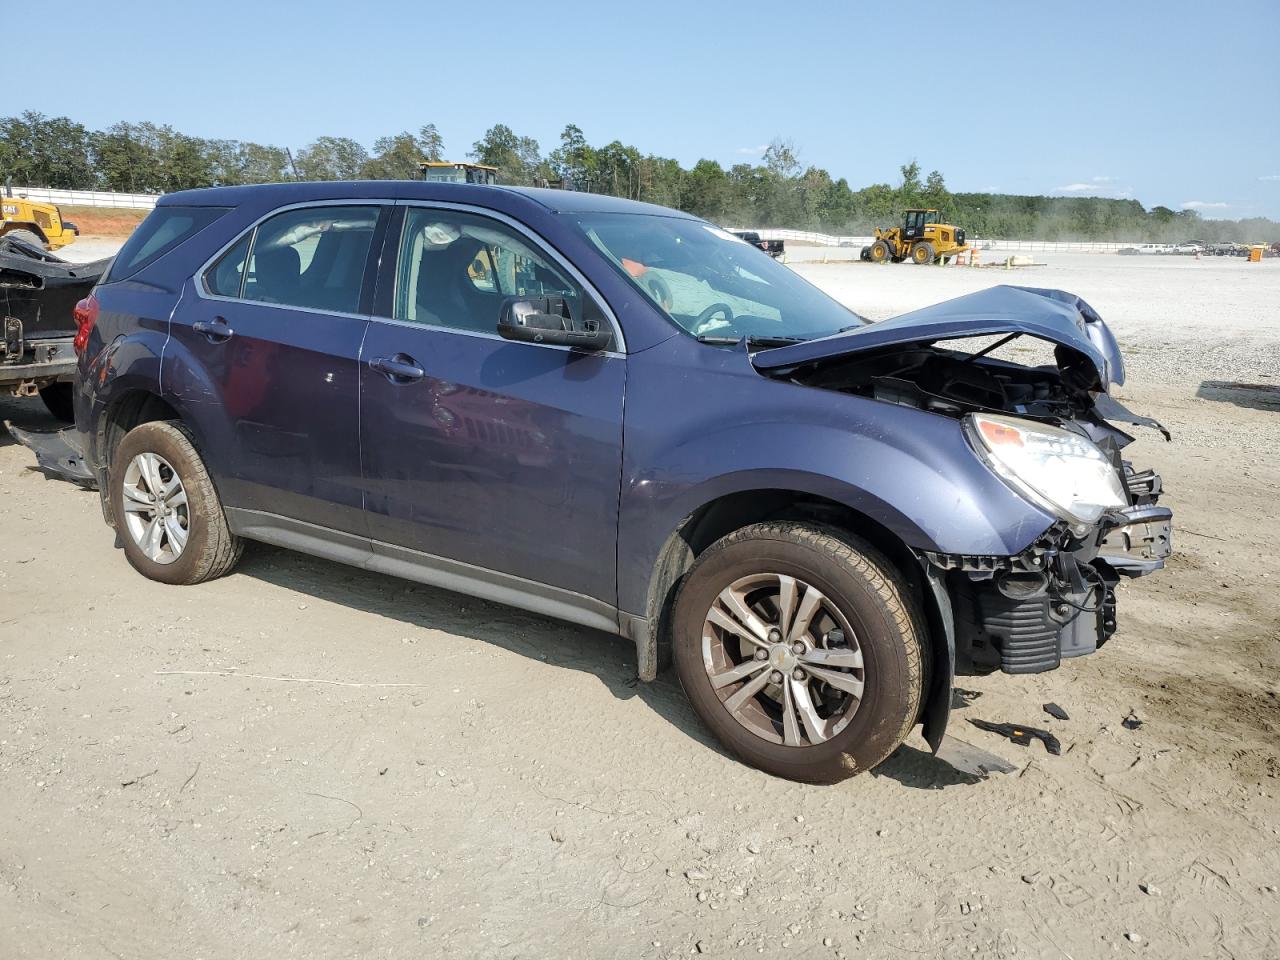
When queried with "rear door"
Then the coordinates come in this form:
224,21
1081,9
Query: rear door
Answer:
269,335
504,456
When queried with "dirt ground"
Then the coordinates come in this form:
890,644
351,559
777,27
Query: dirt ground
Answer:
307,760
116,222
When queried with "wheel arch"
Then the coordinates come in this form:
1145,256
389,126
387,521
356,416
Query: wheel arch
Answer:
129,408
724,514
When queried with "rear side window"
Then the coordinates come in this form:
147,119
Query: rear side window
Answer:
164,228
313,257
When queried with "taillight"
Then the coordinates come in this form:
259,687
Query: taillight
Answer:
86,315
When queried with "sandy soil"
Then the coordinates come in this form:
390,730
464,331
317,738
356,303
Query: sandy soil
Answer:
306,760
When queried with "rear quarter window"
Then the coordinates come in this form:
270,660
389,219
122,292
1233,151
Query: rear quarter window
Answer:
165,228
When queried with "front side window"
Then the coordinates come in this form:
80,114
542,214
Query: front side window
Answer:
711,283
456,270
314,257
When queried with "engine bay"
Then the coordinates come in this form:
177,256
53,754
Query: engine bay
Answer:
953,382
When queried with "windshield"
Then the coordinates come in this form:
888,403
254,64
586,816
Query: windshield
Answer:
711,283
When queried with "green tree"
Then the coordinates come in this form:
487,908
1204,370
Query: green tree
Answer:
125,158
781,159
935,193
574,161
332,158
399,157
909,191
261,163
517,158
40,151
618,168
705,191
431,143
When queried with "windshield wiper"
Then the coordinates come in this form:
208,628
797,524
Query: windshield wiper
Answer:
750,338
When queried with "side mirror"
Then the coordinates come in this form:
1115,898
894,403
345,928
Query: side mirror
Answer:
548,320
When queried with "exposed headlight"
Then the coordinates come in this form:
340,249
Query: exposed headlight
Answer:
1059,470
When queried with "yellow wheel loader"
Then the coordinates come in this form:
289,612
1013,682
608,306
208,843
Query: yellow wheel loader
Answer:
920,239
39,224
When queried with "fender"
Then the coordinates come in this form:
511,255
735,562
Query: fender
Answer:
197,400
127,364
707,443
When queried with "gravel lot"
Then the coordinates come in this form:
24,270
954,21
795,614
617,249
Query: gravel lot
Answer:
307,760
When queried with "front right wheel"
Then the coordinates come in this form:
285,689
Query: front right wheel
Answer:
800,647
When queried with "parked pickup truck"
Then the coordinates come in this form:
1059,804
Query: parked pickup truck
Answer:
773,248
619,416
38,294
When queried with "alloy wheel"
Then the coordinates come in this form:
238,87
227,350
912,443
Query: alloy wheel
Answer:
783,659
155,507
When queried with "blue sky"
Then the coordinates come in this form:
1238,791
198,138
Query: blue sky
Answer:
1170,103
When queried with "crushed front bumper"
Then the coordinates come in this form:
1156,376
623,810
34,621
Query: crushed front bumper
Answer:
1055,600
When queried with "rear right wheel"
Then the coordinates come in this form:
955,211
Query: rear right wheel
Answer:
167,511
800,647
922,252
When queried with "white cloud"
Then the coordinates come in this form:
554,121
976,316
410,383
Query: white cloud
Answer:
1096,188
1204,205
753,151
1271,176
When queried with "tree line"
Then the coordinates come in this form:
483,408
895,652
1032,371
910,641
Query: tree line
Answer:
778,191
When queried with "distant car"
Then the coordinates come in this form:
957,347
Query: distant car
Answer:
774,248
1228,248
1190,247
629,422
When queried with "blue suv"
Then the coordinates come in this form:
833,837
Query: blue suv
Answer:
627,418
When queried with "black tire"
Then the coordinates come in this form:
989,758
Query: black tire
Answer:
57,400
211,550
922,252
27,236
869,594
880,252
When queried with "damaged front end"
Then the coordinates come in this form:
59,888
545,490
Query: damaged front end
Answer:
1049,431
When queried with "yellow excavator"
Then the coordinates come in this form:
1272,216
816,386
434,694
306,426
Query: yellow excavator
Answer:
920,239
39,224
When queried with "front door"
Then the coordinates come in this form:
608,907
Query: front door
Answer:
504,456
275,347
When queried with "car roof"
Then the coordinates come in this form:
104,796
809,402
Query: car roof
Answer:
556,201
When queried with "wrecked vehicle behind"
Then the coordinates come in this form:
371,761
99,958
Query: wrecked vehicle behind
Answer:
38,296
630,420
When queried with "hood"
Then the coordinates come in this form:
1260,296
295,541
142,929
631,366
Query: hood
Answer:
1054,315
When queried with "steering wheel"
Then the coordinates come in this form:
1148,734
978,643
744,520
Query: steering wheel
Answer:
659,289
705,316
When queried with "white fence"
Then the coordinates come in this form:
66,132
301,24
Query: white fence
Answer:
87,198
832,240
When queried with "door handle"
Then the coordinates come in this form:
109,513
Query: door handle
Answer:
401,368
215,331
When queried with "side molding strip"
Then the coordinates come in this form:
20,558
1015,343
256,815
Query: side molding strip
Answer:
425,568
